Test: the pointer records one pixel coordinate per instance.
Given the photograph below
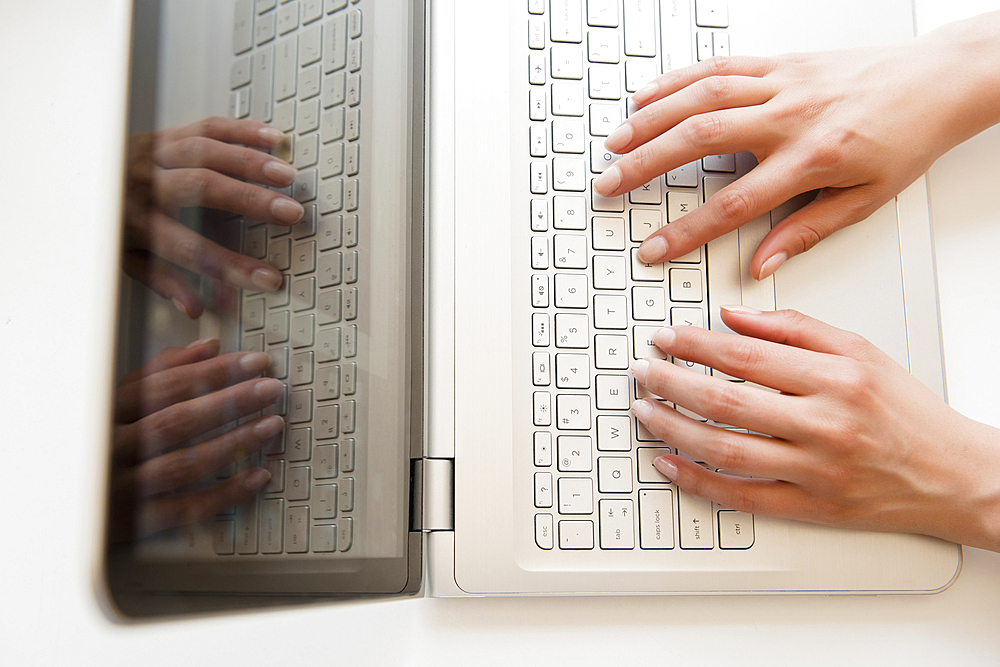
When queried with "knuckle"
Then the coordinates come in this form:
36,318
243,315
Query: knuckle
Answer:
736,203
731,454
746,354
724,401
719,65
703,130
181,467
716,90
806,236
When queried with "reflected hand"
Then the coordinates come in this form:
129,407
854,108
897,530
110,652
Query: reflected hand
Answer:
165,414
211,164
851,440
856,125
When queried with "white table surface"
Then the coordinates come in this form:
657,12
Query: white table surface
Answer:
60,64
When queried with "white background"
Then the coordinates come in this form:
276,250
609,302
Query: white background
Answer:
61,71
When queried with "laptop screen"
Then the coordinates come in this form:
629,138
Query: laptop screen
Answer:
270,324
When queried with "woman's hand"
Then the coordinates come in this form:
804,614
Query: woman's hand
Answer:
165,415
212,164
857,125
848,438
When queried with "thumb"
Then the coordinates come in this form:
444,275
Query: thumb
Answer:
832,209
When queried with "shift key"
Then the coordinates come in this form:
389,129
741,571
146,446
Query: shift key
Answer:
696,521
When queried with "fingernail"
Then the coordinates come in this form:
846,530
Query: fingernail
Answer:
255,362
179,305
664,337
279,172
269,427
772,265
644,94
203,341
266,279
267,389
639,369
740,309
619,138
666,468
606,183
653,250
642,409
287,210
256,479
271,135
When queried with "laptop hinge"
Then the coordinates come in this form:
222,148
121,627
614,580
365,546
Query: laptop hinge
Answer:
432,504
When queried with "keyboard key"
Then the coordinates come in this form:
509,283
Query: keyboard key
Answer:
567,21
696,525
609,272
639,20
569,212
647,473
604,118
271,522
243,26
617,524
602,46
610,312
576,534
609,233
613,433
570,290
611,352
541,367
572,412
543,531
345,534
542,448
576,495
572,371
297,530
574,453
324,539
543,489
612,392
656,519
735,530
570,251
649,303
685,285
540,329
325,467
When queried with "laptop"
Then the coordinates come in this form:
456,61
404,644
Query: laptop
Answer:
453,365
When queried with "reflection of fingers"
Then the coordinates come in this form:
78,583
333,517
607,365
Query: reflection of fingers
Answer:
781,367
189,464
754,496
735,452
171,357
188,249
671,82
722,401
231,131
715,132
832,209
711,94
790,327
183,509
188,382
177,188
165,280
739,202
182,421
236,161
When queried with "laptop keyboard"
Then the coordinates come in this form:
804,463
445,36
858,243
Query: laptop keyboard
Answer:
595,306
298,66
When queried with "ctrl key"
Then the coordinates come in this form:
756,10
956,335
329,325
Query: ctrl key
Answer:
543,531
735,530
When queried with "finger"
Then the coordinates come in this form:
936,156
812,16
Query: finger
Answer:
730,450
177,423
722,401
174,189
176,243
750,196
788,369
184,383
171,357
236,161
229,130
189,464
754,496
165,280
792,328
711,94
711,133
832,209
671,82
184,509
